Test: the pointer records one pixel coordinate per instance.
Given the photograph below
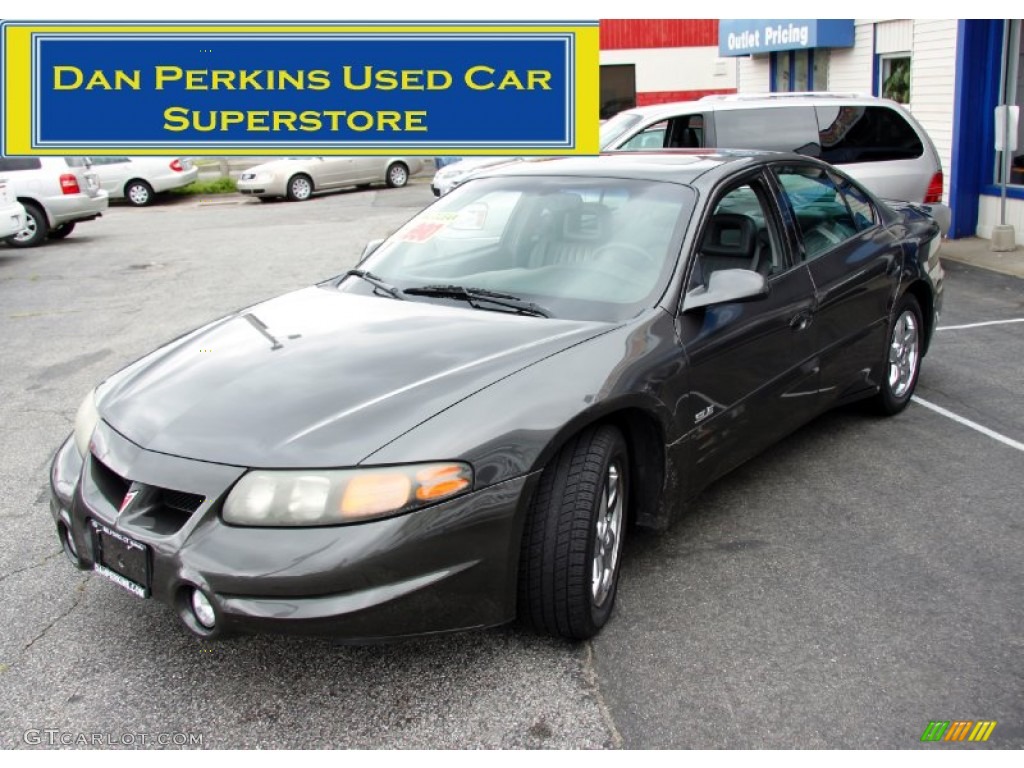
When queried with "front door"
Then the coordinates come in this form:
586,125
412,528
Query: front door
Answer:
753,372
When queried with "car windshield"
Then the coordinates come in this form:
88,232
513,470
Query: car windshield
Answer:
616,127
573,247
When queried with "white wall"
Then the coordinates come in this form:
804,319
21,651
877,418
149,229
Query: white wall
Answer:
753,74
988,216
676,69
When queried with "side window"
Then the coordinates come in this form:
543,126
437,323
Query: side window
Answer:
686,132
860,205
652,137
789,129
739,234
20,164
866,135
821,214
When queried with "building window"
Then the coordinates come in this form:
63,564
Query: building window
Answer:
803,70
1013,88
618,88
894,77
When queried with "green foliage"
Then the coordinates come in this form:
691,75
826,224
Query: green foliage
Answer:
897,84
214,187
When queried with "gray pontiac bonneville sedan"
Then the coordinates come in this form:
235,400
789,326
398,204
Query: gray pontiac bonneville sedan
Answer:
462,429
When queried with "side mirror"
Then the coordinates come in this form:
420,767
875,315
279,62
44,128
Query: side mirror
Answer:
726,286
371,246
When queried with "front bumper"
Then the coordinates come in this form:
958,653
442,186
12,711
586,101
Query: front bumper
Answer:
262,187
447,567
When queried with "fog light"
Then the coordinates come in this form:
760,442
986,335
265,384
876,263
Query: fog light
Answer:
203,609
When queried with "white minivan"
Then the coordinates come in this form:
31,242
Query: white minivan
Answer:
873,140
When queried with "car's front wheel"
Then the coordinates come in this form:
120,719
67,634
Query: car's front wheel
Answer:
138,192
35,231
572,542
300,187
903,357
397,175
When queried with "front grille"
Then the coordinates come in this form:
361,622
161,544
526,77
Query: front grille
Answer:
109,483
163,511
179,501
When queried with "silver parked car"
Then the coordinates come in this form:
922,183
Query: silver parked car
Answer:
12,213
139,179
297,178
56,192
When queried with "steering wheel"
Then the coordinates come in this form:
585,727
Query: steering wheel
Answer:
634,252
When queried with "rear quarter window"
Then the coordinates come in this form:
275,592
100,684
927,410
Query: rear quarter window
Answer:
864,134
20,164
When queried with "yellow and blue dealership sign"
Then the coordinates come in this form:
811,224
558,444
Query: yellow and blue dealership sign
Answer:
292,89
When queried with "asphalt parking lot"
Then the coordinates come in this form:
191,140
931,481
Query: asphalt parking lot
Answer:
842,590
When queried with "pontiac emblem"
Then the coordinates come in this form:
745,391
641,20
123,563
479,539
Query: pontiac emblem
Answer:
128,497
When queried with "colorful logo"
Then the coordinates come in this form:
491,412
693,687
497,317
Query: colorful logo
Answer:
958,730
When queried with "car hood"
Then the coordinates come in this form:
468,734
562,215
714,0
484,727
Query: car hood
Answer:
320,378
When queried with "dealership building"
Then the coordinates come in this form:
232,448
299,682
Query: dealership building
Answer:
949,73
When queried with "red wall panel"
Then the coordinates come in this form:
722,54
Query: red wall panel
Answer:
643,98
658,33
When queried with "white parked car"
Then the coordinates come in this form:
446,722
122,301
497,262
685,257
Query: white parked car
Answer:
56,193
12,213
448,177
138,179
297,178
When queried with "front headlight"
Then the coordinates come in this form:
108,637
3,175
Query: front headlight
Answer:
336,497
85,423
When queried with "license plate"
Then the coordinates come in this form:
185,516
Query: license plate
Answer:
121,559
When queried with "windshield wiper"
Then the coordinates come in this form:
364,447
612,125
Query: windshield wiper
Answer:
377,283
475,296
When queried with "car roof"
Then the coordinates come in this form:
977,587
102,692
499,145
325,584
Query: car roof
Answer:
681,166
725,102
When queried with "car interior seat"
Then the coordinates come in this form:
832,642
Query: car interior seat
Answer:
569,233
730,242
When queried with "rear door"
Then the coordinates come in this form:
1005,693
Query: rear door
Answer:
781,127
112,172
753,377
854,263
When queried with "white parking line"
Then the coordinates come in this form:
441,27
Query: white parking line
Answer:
978,325
968,423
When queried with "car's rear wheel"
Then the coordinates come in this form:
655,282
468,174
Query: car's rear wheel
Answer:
397,175
572,542
138,192
300,187
902,363
62,230
35,231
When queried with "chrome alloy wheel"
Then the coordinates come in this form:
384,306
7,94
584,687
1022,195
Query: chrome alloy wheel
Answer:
301,188
608,536
29,232
397,175
903,354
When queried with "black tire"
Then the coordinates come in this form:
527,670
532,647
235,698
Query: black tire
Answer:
138,193
397,175
902,361
36,228
558,592
300,187
62,230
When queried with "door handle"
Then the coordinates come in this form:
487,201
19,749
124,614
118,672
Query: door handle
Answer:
800,321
